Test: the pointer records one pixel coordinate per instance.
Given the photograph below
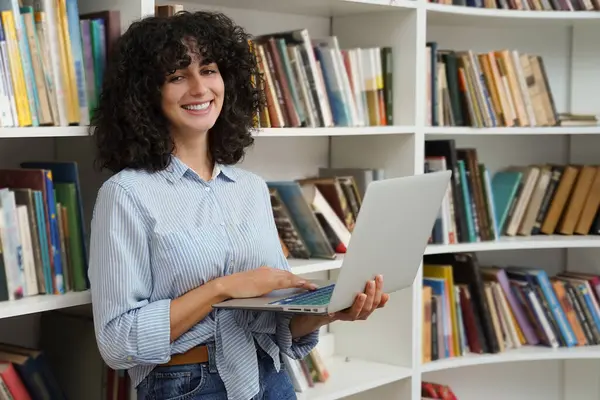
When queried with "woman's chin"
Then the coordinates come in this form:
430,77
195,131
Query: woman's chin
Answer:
196,128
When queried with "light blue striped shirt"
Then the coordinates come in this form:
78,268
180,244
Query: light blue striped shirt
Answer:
154,237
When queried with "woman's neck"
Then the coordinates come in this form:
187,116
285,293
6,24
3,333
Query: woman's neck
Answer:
193,151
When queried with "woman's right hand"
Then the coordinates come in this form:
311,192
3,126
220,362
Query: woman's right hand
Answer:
260,281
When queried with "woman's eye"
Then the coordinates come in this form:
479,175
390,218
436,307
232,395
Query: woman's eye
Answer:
175,78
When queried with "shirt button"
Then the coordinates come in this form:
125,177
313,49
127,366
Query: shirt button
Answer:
207,189
129,358
222,223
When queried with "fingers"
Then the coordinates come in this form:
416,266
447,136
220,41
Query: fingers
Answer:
384,299
368,306
288,280
367,302
353,313
378,291
306,285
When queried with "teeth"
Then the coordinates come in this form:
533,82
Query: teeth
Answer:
197,107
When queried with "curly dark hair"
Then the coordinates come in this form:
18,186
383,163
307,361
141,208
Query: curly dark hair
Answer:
128,124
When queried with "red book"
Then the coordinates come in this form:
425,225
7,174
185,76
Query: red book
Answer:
13,382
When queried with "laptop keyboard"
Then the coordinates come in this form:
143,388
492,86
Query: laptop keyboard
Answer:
317,297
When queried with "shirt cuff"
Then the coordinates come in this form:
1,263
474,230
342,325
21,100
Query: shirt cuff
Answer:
297,348
154,332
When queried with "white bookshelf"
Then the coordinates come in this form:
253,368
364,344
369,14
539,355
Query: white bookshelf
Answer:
381,358
43,132
525,354
37,304
541,131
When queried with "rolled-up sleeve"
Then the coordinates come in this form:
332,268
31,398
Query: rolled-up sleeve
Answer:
295,348
130,330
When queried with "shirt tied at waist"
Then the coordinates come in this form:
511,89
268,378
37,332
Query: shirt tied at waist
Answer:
236,356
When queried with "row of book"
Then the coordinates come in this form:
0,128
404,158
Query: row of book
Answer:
52,61
470,308
516,201
434,390
502,88
308,371
315,216
312,82
42,236
25,374
527,5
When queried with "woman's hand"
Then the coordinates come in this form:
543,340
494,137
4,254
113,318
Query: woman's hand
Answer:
261,281
365,303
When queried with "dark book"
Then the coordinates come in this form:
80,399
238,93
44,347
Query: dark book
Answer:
447,149
465,270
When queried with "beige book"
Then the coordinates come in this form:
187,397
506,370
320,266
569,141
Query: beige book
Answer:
577,199
535,202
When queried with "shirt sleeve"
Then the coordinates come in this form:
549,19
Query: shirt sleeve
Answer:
296,348
130,330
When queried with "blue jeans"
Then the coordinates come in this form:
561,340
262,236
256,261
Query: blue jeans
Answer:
202,382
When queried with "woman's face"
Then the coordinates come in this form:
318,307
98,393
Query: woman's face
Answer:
192,97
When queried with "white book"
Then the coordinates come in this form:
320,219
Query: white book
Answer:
31,284
11,245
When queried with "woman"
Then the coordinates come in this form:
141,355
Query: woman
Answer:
178,228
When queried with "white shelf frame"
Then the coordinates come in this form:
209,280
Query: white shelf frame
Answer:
525,353
42,303
44,132
82,131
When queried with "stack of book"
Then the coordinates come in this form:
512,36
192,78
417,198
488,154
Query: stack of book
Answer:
26,374
42,237
516,201
315,216
307,372
432,390
532,5
502,88
571,119
472,309
53,61
312,82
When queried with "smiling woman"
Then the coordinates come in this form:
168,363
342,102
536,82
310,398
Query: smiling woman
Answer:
163,64
178,228
193,95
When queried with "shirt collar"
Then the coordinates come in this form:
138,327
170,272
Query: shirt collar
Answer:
177,169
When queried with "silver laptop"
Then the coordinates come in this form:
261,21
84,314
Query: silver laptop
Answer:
389,238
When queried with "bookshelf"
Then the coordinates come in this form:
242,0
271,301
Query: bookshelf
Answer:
379,358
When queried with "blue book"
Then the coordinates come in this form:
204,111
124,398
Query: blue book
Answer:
505,186
77,52
46,265
468,202
68,172
303,215
438,287
540,278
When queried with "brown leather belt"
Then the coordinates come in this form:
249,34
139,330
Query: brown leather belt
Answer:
195,355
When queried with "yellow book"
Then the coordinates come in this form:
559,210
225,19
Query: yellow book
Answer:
44,114
445,272
67,63
16,70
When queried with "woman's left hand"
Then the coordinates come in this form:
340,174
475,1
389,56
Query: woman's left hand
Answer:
365,303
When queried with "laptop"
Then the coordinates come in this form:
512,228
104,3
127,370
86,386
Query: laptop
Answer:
390,235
